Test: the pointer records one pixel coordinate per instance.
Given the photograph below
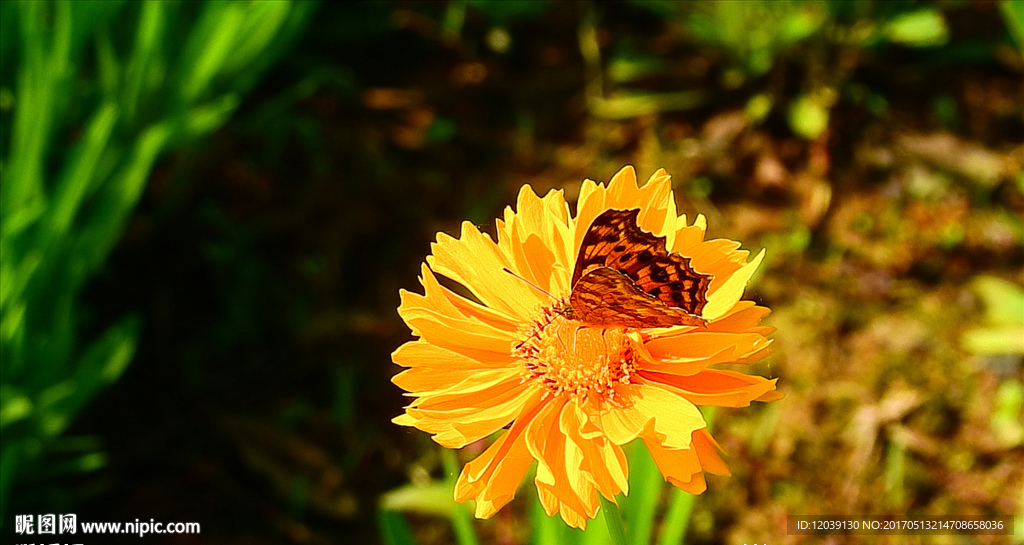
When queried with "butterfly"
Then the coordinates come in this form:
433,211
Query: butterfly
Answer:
625,276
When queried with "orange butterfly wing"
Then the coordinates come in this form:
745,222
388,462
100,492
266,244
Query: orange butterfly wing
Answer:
626,276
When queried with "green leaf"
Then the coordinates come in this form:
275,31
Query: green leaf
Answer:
432,499
1013,14
922,28
627,68
1007,414
677,518
645,486
14,405
992,341
758,108
1003,330
547,530
202,119
80,171
801,25
895,471
462,518
261,23
105,360
143,72
394,530
209,46
808,117
14,279
613,520
1003,300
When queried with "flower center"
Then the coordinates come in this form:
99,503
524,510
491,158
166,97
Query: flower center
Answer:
571,358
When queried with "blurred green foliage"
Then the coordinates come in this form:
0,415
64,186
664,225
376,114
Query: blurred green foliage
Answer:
755,36
1003,329
1013,14
755,33
1006,418
91,94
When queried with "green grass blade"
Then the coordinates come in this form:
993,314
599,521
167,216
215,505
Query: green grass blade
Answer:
645,487
23,179
677,518
462,519
547,530
260,25
80,171
208,47
144,69
106,223
394,530
613,521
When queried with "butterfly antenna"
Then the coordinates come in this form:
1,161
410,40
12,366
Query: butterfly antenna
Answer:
528,283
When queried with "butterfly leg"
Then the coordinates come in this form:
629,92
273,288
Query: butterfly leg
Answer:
575,335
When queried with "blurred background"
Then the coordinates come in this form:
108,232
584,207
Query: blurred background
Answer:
209,208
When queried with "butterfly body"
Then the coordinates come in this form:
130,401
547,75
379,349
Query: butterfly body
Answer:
626,277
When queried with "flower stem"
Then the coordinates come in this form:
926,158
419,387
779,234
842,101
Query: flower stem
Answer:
613,520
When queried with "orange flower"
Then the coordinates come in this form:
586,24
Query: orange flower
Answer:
572,394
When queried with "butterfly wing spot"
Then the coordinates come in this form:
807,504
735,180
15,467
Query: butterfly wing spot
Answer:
659,275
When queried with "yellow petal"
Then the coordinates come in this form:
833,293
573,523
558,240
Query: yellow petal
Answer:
770,395
603,461
719,258
461,335
686,237
726,296
654,199
423,354
708,453
714,387
653,409
690,366
476,262
492,478
472,409
705,345
537,238
681,467
562,484
743,318
467,329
